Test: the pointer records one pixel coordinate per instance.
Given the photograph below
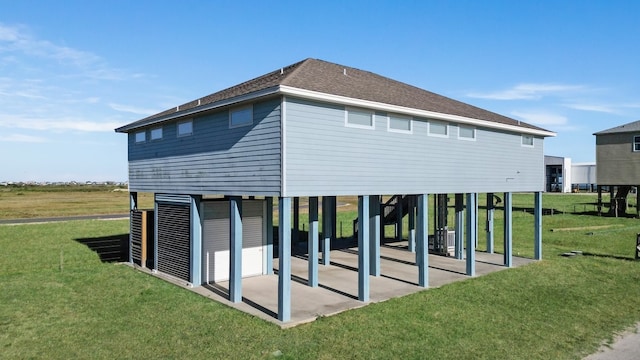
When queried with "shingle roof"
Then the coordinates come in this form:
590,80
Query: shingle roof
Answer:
630,127
329,78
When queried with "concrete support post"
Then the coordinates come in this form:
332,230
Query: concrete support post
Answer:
399,220
327,230
133,205
312,243
508,229
363,248
537,223
196,240
412,224
422,254
459,224
235,249
284,255
490,213
269,246
472,236
295,234
374,235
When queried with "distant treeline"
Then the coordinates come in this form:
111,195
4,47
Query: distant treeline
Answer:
61,187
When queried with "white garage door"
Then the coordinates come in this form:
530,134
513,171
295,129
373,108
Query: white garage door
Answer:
215,239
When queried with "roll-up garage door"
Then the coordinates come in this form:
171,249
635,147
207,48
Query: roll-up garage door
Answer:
174,240
215,239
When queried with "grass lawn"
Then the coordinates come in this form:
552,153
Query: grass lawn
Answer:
58,300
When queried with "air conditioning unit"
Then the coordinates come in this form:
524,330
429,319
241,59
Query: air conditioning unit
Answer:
447,249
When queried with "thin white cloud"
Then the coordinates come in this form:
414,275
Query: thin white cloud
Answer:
592,107
22,138
132,109
63,124
541,118
527,91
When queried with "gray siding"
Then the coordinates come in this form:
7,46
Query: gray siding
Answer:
215,159
617,163
324,157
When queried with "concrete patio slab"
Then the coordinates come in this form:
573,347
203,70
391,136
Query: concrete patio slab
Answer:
338,283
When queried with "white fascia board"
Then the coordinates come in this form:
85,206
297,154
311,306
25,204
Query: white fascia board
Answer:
207,107
314,95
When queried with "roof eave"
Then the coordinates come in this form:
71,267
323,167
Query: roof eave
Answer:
196,110
314,95
319,96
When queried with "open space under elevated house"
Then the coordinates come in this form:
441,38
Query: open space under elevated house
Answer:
319,130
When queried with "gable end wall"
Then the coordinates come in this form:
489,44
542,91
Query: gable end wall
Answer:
215,159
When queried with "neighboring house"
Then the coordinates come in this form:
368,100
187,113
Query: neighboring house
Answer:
557,174
317,129
562,175
618,163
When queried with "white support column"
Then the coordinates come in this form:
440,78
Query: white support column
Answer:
312,243
327,230
235,249
472,235
422,254
374,235
537,223
269,245
489,228
196,241
363,248
508,229
412,224
459,224
284,254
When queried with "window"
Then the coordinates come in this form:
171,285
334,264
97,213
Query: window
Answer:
185,128
141,136
241,116
359,118
527,140
437,128
466,132
156,133
636,143
398,123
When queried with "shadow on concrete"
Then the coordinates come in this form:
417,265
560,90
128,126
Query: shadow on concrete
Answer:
114,248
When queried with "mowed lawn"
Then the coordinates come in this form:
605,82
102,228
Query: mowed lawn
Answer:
59,300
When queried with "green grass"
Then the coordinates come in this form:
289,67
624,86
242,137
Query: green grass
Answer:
58,300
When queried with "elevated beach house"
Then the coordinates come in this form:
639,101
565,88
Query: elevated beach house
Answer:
319,130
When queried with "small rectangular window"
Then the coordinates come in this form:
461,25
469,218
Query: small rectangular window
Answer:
466,132
437,128
185,128
527,140
241,116
156,133
141,136
636,143
359,118
398,123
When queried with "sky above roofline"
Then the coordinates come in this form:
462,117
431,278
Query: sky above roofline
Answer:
71,72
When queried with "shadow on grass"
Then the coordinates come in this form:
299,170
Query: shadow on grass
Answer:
114,248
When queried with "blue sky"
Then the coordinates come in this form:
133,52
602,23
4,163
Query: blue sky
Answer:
72,71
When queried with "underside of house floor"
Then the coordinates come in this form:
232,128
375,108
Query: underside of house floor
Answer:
338,283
